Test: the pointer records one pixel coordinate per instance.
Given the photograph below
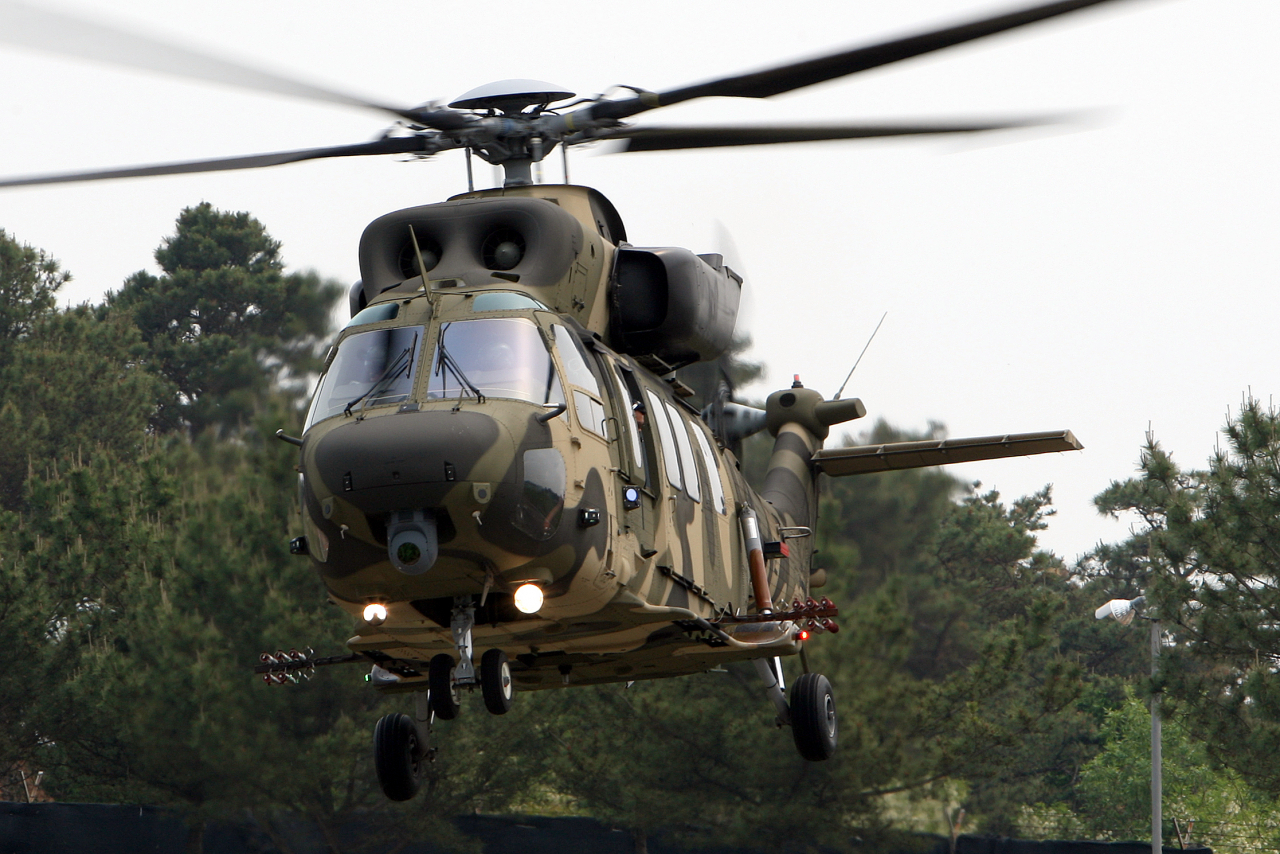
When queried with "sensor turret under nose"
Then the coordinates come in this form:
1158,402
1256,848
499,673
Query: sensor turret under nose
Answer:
413,543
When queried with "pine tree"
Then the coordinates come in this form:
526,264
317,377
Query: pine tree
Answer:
29,283
1205,554
224,321
75,384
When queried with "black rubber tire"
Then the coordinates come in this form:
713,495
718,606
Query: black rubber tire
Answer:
443,698
813,717
397,756
495,682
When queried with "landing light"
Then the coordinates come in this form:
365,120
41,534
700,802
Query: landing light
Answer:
375,613
529,598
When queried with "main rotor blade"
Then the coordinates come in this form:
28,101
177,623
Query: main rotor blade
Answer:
670,138
67,35
797,75
390,145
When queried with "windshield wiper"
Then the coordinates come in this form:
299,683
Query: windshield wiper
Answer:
447,361
398,366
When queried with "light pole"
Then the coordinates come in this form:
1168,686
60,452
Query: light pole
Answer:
1123,611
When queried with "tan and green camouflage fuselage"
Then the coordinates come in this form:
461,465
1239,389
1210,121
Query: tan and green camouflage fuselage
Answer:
620,592
570,459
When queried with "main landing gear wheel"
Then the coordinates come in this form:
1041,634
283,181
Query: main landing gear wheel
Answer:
495,682
813,717
398,751
443,698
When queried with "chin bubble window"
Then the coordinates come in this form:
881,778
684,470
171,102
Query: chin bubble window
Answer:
542,499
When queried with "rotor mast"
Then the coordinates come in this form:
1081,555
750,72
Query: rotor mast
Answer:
513,142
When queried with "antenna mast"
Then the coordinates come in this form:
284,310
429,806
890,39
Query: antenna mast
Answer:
860,355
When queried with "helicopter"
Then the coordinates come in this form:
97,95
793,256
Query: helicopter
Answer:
501,476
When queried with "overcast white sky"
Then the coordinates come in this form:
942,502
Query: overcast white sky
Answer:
1103,278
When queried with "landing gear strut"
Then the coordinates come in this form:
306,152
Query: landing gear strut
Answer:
445,677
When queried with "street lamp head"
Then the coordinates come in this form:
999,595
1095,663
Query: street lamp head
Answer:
1122,610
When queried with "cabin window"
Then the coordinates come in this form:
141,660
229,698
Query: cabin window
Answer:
712,465
670,458
373,368
679,427
500,357
630,425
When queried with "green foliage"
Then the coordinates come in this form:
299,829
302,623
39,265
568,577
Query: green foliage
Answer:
876,527
1205,553
224,322
29,283
699,756
993,651
1112,799
76,385
62,563
69,382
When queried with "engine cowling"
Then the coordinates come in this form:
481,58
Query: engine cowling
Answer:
670,305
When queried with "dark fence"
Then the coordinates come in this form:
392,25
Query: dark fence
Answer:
1004,845
56,828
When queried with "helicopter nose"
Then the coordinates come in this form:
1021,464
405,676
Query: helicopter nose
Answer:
412,459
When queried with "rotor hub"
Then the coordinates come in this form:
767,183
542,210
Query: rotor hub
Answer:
511,96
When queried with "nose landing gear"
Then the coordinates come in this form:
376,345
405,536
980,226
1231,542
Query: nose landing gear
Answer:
399,745
495,682
445,678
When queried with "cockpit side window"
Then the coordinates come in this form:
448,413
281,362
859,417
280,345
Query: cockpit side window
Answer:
589,407
498,357
576,370
590,413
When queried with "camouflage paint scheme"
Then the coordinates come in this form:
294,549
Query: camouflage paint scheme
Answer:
613,589
624,586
